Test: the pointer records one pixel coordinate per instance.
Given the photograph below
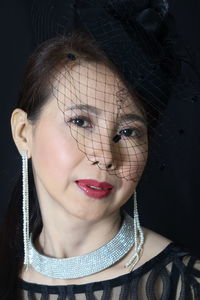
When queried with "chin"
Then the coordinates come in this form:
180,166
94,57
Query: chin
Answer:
90,214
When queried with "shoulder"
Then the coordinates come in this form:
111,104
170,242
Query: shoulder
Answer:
175,266
154,244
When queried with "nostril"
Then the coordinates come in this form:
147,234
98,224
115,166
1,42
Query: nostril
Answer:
95,163
109,166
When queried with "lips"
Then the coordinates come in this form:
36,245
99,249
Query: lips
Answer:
94,189
104,185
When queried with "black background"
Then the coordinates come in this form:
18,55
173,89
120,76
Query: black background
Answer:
169,198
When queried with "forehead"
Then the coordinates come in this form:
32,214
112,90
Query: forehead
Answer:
93,84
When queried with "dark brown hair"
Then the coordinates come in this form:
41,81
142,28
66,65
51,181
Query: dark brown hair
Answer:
48,60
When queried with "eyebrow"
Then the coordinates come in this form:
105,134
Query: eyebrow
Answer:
85,107
133,117
97,111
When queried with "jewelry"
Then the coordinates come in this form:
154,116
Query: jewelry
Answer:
93,262
90,263
137,230
25,206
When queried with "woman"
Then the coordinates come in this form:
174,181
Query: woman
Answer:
84,126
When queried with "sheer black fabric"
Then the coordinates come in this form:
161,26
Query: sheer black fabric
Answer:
171,275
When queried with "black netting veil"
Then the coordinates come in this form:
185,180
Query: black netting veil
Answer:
109,128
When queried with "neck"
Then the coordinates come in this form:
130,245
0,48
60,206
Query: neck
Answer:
64,235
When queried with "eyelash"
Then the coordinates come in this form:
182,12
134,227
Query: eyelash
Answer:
139,132
80,118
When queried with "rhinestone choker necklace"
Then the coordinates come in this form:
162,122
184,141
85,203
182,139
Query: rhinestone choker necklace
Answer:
90,263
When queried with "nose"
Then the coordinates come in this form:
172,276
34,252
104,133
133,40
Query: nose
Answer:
102,153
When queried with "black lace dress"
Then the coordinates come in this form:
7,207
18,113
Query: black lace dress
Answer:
172,274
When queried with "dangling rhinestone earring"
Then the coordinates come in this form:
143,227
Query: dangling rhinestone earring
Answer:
138,236
25,207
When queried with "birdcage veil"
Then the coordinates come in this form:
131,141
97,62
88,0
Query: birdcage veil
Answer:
107,120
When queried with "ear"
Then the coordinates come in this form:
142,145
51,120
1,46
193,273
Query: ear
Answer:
21,130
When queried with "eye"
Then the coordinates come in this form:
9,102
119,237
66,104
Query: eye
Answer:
131,132
81,122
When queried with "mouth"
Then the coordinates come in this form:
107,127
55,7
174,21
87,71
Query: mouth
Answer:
95,189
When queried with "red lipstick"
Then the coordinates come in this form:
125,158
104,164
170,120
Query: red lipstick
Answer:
94,189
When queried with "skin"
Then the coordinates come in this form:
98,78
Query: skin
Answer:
68,214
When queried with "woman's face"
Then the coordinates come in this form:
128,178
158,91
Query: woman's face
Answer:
68,141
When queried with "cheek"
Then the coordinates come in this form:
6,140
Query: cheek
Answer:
135,161
140,153
54,153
